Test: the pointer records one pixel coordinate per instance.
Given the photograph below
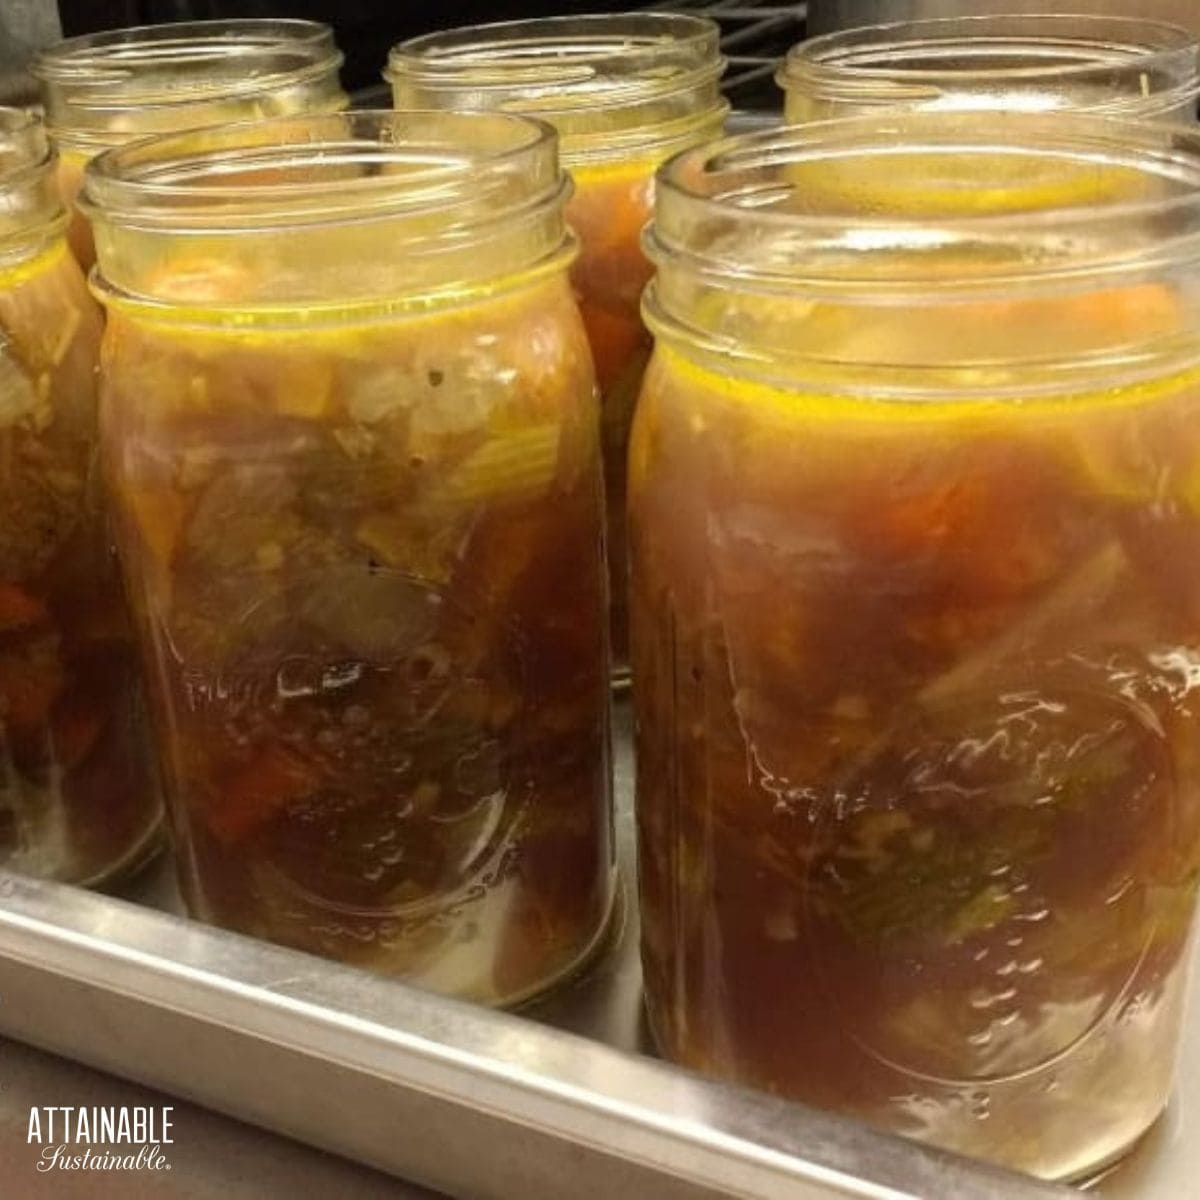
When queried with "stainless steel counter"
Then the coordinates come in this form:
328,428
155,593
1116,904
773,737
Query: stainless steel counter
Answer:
211,1155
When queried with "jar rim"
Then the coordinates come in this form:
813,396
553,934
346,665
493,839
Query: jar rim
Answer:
563,68
744,181
568,52
412,163
1064,48
104,71
328,212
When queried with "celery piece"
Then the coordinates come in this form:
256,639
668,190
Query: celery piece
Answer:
71,319
1110,471
1084,590
939,864
988,908
944,889
510,465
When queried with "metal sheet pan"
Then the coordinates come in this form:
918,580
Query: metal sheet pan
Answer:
467,1101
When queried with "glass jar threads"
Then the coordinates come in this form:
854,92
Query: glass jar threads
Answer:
1030,63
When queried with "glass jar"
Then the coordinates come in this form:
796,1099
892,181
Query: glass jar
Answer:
915,533
104,89
352,437
77,796
625,92
1018,62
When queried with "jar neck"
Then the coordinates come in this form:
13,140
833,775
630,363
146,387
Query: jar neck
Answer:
1031,63
106,89
295,218
31,212
614,87
931,252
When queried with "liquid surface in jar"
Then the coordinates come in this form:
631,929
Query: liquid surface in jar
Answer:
368,565
78,801
917,703
608,211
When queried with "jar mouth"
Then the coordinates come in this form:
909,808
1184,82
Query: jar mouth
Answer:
387,202
890,206
359,165
930,60
628,66
88,80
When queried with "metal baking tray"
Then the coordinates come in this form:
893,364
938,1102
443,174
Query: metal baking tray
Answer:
561,1097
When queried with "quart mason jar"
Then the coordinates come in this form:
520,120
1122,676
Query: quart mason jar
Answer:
915,525
77,796
625,92
1119,66
352,437
104,89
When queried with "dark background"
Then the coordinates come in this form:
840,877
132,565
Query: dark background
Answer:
365,28
756,33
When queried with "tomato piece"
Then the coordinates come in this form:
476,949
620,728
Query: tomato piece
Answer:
276,777
615,340
76,727
1137,310
946,511
609,215
983,530
18,609
31,679
159,514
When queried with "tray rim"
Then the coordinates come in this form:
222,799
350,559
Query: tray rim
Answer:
679,1134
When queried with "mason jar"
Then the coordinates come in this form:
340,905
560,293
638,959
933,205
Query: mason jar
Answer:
625,92
1119,66
915,514
78,801
103,89
352,438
